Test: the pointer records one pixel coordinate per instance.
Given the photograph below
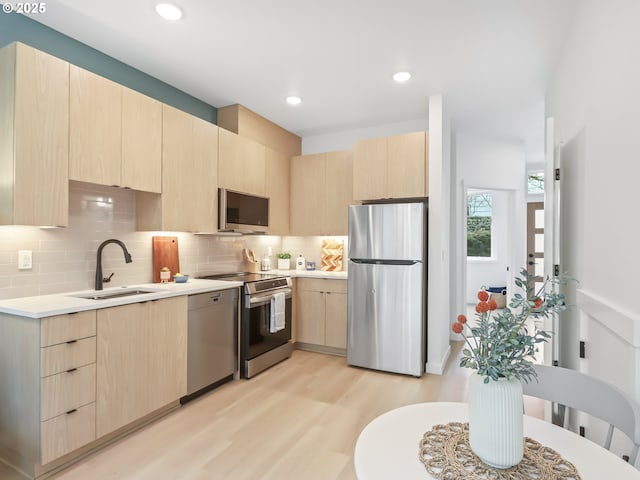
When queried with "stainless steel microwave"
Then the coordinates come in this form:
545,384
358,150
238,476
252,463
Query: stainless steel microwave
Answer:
241,212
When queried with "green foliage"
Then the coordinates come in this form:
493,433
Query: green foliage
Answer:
502,345
284,255
478,236
535,183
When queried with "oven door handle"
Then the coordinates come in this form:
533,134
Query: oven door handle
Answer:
255,301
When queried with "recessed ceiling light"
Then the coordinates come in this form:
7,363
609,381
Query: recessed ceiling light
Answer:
401,77
293,100
168,11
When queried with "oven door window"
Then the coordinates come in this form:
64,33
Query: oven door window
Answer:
259,339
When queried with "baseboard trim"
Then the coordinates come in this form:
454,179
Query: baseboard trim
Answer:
310,347
437,368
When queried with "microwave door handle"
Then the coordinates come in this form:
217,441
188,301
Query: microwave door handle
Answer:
222,210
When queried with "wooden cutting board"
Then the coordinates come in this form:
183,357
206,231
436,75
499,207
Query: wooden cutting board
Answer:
332,251
165,254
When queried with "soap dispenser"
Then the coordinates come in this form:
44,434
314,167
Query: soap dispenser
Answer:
300,263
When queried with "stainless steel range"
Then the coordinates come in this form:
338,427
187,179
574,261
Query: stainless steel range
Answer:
263,343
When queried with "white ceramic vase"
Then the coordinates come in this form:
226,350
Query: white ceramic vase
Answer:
284,263
495,421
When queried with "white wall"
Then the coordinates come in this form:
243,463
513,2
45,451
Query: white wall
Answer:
490,164
494,163
594,99
439,299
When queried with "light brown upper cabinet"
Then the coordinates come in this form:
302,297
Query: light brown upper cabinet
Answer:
321,191
278,175
391,167
239,119
188,202
115,134
34,137
241,164
95,124
141,167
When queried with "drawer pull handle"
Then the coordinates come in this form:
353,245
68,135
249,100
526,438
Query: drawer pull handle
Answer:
71,370
71,341
71,411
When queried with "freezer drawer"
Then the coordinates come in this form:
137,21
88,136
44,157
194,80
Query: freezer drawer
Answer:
386,319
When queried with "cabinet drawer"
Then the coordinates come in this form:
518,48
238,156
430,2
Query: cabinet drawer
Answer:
322,285
62,357
64,433
68,390
62,328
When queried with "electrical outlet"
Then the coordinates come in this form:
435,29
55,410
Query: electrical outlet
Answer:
25,259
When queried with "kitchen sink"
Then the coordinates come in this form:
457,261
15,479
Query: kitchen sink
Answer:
113,294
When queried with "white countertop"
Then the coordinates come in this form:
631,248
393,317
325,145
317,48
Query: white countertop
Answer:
310,274
57,304
47,305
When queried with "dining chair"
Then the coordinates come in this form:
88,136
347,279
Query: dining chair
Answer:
590,395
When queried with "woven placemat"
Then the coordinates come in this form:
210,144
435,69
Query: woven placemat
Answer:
446,454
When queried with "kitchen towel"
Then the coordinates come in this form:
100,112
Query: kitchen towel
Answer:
277,312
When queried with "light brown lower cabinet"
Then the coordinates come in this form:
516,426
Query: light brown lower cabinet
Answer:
141,360
66,433
67,381
66,391
321,314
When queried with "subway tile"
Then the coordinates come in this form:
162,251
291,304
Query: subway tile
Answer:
17,292
65,258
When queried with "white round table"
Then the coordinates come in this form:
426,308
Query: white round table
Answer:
388,447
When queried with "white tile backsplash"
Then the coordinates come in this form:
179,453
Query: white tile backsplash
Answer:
310,248
64,259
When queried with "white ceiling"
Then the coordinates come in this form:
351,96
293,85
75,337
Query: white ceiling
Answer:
491,59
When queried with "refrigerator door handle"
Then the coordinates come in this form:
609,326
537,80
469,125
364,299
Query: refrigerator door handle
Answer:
368,261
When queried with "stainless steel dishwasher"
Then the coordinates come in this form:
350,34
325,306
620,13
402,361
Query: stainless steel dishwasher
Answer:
212,352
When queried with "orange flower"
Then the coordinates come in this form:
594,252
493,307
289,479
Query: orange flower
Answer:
482,307
483,295
492,304
457,327
462,318
537,302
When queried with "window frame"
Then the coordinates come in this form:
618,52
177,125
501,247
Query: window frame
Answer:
492,256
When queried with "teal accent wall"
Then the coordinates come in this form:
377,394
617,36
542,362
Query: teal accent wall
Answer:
16,27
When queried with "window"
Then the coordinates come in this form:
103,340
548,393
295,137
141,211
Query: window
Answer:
535,182
479,225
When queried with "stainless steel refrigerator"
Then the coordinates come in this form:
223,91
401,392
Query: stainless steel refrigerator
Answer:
386,296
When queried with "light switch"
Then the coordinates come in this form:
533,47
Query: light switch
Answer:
25,259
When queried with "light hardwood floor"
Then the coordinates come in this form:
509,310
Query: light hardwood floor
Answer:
298,420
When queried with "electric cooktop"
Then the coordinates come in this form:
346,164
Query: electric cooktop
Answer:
245,277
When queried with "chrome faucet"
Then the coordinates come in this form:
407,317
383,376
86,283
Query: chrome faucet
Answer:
127,259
